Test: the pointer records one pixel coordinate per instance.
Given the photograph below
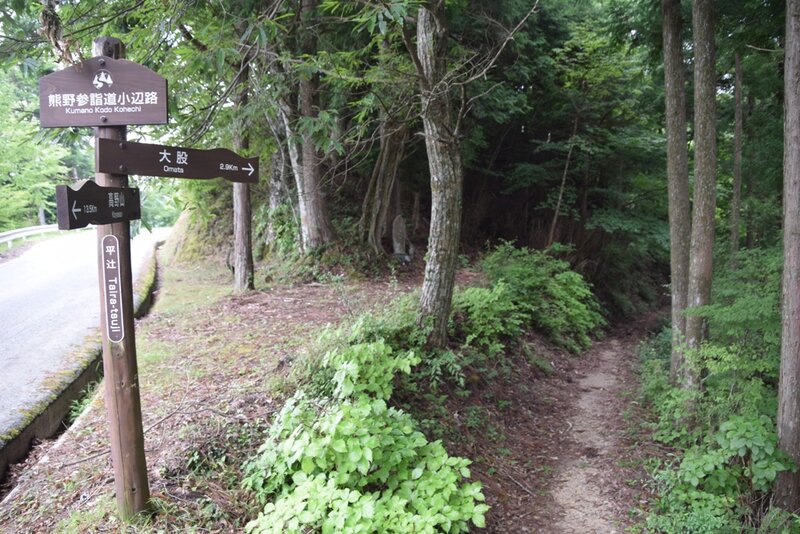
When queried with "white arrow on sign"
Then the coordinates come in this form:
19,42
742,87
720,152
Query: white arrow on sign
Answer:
249,168
75,210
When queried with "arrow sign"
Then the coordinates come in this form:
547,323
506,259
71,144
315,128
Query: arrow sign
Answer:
174,161
92,204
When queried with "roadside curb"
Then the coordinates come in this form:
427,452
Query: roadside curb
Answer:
51,412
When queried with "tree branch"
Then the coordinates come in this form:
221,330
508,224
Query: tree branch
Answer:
191,38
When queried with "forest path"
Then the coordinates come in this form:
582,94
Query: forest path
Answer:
581,484
597,487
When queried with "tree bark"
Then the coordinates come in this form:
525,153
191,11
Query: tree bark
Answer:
444,162
316,228
375,212
749,239
736,202
278,193
705,171
677,177
279,183
243,278
415,214
787,486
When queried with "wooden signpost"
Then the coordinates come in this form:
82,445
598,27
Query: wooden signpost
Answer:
109,93
175,161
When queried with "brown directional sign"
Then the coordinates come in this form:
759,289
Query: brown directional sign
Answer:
93,204
102,91
174,161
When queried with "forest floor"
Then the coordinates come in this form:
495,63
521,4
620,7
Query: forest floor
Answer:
554,438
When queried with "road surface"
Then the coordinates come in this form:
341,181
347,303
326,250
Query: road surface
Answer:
49,303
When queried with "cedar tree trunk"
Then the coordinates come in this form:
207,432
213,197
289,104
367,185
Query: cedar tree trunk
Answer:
705,171
787,487
242,211
316,229
677,177
375,211
736,202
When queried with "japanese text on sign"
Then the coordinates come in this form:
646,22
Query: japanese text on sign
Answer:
181,158
82,103
111,288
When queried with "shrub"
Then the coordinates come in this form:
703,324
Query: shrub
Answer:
729,457
396,326
745,309
486,317
351,463
367,369
358,466
558,301
720,480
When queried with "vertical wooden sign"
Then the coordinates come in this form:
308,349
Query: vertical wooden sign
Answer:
119,344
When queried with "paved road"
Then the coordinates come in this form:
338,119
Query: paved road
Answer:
49,303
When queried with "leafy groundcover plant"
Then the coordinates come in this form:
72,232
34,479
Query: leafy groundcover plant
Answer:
350,463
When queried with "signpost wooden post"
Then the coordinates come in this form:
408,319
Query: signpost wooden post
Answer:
119,344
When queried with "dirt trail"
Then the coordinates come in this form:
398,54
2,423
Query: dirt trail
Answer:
581,488
563,453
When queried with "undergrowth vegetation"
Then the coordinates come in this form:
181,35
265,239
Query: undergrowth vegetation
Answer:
341,455
724,436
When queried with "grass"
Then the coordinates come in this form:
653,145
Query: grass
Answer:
77,406
190,286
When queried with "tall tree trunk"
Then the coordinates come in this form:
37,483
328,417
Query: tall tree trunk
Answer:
278,193
444,162
242,211
551,235
375,211
705,171
279,183
787,486
736,202
677,177
749,240
415,214
583,206
316,229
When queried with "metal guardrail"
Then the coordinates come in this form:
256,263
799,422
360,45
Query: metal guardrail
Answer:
23,233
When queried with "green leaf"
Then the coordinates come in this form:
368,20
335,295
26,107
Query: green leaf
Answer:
307,465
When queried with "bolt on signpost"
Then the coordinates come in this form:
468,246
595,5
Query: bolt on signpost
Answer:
109,93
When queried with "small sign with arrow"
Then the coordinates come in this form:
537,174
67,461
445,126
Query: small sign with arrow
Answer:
127,157
90,203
